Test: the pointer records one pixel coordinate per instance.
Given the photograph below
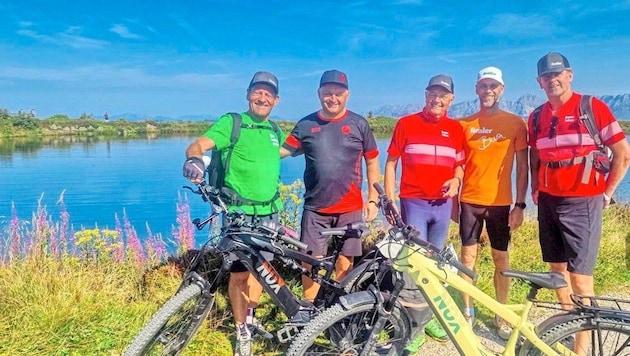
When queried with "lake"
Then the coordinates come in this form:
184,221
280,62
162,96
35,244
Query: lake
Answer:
100,179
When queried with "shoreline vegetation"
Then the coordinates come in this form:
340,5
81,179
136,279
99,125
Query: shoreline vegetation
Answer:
26,125
90,291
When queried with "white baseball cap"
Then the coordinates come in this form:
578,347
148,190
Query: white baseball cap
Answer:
491,73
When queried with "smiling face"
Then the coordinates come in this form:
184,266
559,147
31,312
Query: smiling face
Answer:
438,100
262,98
333,98
557,85
489,91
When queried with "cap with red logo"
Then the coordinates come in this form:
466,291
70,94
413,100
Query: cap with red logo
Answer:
335,77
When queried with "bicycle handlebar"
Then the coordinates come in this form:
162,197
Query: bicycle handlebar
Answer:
388,206
357,229
269,229
410,233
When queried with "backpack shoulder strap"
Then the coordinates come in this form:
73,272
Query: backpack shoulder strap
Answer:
236,128
588,118
535,121
276,128
236,132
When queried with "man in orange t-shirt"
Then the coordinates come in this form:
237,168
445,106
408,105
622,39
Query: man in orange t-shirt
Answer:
493,139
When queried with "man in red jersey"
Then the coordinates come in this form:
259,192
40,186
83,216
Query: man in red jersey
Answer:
430,147
567,187
335,142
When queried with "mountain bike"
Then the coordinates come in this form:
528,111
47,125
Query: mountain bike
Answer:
172,327
606,321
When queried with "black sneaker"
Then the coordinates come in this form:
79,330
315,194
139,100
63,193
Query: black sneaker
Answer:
257,330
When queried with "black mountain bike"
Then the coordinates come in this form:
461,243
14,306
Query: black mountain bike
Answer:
172,327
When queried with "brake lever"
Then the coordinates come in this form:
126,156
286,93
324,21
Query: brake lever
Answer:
197,191
201,224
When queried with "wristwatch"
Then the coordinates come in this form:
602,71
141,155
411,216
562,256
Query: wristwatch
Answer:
521,205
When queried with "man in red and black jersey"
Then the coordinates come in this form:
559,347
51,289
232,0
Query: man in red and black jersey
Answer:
334,142
566,185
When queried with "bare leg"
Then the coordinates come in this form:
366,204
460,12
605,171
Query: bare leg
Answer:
237,290
343,266
501,283
563,294
310,286
582,284
254,291
469,258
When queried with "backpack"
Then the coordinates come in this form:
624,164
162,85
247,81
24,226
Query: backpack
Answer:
217,169
601,158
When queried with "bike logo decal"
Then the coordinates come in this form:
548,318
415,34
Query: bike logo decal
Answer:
270,276
446,313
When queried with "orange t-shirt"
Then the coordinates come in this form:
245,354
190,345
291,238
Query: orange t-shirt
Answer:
491,142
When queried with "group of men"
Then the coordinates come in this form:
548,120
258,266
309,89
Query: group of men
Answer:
463,166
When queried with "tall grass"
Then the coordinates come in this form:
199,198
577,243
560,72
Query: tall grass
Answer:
86,292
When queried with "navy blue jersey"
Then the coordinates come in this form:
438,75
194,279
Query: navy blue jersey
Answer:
333,150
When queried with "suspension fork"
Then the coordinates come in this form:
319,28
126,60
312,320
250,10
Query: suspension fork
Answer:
384,310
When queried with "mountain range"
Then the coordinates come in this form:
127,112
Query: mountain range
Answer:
523,106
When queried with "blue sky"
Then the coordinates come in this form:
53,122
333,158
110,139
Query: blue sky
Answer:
196,57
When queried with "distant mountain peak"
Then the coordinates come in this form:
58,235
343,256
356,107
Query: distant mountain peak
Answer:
523,106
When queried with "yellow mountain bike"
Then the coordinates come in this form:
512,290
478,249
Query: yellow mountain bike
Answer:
607,327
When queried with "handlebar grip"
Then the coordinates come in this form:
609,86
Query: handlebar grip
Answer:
291,241
465,270
379,189
359,227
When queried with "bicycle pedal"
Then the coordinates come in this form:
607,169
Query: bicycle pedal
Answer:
287,333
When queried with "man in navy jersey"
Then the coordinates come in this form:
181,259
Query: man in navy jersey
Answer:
334,141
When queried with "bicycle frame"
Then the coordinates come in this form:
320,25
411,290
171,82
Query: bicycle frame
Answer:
429,275
245,246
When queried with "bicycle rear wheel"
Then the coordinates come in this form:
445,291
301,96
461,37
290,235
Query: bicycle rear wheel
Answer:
344,331
608,336
171,328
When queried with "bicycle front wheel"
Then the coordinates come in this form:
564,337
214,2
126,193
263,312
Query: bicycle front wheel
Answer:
341,331
173,326
606,336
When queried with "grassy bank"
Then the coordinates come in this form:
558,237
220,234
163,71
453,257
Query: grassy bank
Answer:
89,292
25,125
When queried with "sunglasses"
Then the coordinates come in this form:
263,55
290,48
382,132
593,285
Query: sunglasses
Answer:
552,128
488,86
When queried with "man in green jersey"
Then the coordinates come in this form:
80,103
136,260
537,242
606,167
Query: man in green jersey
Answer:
253,174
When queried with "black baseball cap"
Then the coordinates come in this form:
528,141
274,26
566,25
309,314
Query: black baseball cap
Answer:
334,76
442,80
264,78
552,62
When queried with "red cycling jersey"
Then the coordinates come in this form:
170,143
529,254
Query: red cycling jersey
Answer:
429,149
563,137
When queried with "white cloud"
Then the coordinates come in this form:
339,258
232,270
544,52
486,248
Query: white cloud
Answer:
70,38
123,31
520,26
113,76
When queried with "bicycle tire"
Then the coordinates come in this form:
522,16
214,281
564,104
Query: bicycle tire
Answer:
338,330
172,327
609,336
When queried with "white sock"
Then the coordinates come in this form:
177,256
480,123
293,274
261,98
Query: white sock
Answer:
251,315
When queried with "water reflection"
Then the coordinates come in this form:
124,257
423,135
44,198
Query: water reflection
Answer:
27,145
